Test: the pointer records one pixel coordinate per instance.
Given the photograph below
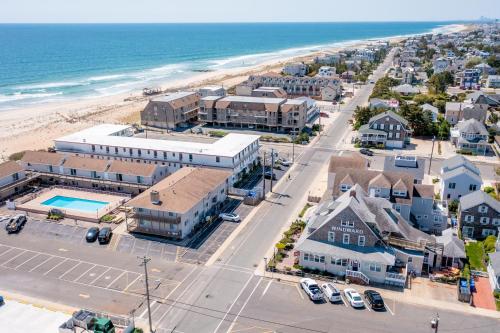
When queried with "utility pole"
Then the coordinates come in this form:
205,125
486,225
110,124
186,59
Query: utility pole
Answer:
264,175
272,169
432,153
144,263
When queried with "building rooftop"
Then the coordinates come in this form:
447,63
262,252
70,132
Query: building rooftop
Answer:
182,190
417,169
174,96
42,157
132,168
84,163
9,168
458,161
476,198
251,99
229,146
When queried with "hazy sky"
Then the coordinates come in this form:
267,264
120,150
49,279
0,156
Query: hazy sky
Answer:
243,11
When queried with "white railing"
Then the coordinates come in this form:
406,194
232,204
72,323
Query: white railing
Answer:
359,275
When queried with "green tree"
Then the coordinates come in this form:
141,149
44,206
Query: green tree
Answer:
420,121
473,62
443,131
362,115
438,83
494,61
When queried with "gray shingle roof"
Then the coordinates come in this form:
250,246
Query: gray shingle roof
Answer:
453,246
472,126
459,161
478,197
389,114
462,171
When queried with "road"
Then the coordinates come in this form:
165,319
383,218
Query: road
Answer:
225,296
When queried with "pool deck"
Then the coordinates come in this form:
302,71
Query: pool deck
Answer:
35,205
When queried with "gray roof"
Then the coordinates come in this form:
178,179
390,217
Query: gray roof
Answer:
431,108
472,126
418,172
495,262
478,197
459,161
453,246
390,114
462,171
366,129
174,96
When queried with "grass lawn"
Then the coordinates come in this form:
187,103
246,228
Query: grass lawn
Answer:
475,254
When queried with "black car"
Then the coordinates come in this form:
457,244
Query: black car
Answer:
269,175
92,234
16,224
366,152
104,235
374,299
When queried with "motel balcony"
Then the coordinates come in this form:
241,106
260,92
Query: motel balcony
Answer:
396,276
136,215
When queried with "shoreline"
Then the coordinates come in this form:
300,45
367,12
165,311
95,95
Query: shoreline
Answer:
35,127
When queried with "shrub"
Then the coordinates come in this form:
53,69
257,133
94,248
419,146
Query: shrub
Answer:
303,211
16,156
453,206
279,257
280,246
286,240
288,268
357,145
435,180
217,134
437,196
297,266
107,218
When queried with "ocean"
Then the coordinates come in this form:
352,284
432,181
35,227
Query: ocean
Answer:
42,63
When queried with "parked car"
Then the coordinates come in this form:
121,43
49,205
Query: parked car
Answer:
374,299
366,152
104,235
92,234
269,174
16,224
285,162
312,289
2,302
354,298
230,217
331,292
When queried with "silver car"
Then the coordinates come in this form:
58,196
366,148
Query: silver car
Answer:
230,217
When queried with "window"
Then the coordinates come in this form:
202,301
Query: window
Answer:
347,224
391,127
15,176
344,187
452,185
361,240
94,174
381,126
398,127
345,238
306,256
496,222
217,159
410,259
331,236
469,218
398,208
374,267
487,232
139,179
472,187
51,169
398,135
483,209
398,193
139,152
73,172
180,156
484,220
190,157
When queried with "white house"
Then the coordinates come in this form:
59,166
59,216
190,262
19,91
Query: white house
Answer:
493,81
459,176
295,69
326,71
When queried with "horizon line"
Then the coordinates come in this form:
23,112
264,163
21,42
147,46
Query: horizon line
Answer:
259,22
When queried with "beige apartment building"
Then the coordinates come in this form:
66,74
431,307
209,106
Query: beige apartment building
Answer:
273,114
171,111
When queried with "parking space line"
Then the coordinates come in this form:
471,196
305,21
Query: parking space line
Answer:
59,264
343,301
8,249
246,302
40,264
69,270
146,309
88,270
36,255
267,288
4,263
131,283
366,306
389,309
299,291
97,278
117,278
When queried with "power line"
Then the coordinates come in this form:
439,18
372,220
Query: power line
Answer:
226,314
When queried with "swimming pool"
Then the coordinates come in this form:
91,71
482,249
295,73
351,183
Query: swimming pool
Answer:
83,205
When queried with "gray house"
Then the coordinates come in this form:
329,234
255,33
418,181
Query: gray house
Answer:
478,215
459,176
470,135
387,129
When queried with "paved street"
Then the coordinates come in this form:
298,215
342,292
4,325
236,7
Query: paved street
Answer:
226,296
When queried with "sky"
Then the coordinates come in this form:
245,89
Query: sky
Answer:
173,11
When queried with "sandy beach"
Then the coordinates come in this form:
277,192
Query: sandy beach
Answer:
35,127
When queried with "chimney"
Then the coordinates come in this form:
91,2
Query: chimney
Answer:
155,197
352,194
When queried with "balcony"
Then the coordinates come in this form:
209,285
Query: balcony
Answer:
135,215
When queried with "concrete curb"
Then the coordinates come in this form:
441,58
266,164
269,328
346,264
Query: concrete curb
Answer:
36,302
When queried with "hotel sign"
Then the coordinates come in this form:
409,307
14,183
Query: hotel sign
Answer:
348,229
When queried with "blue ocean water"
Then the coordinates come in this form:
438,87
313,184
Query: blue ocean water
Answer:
51,62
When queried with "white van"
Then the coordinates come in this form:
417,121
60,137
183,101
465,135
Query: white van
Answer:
331,292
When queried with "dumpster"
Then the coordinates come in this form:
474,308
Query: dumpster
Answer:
463,289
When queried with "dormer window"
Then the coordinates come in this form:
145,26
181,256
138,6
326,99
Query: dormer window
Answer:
345,187
399,193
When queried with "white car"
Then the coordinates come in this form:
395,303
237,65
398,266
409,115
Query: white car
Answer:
284,162
354,298
312,289
331,292
230,217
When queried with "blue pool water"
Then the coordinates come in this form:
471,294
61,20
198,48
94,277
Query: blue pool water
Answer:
83,205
